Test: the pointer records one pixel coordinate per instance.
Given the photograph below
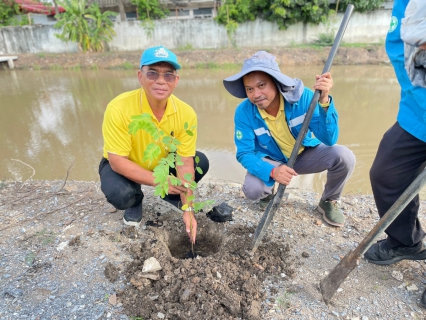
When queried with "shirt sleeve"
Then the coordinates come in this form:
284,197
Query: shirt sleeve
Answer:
117,140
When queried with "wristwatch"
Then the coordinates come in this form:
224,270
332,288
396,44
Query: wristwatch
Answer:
190,209
325,105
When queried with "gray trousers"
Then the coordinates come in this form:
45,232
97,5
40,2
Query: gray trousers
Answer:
338,160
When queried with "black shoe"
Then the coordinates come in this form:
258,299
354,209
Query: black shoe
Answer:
221,213
133,216
164,205
381,253
422,302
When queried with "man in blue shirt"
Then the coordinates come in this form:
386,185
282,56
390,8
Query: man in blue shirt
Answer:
400,158
267,124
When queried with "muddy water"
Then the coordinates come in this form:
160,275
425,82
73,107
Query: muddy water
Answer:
52,119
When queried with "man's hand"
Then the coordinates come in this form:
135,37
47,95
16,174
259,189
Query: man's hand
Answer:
189,220
423,46
324,83
283,174
176,189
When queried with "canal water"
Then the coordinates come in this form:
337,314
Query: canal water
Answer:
52,119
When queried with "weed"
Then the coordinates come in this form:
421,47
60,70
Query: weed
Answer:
283,301
41,55
45,236
36,67
76,67
30,258
106,296
325,39
94,67
186,47
126,66
214,65
55,67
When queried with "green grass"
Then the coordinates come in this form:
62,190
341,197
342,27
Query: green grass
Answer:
55,67
45,236
283,301
30,258
214,65
126,66
41,55
186,47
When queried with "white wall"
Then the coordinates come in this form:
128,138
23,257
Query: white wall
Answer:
199,33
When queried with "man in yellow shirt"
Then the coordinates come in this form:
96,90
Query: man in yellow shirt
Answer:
122,169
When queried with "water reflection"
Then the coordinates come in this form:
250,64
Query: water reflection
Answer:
51,119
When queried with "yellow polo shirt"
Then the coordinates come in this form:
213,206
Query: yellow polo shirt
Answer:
279,130
118,115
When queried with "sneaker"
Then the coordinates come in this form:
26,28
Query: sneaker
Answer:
422,302
263,203
331,212
133,216
382,253
164,205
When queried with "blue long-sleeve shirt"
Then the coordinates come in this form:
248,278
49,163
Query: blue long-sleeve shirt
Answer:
254,140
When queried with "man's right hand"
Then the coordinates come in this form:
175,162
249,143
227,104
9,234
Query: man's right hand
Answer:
283,174
190,223
176,189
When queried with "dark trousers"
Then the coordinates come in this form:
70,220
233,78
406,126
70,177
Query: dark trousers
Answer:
399,160
123,193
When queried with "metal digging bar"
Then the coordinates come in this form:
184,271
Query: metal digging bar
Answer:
331,283
275,202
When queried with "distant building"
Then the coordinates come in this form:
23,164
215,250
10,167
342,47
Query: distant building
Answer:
189,9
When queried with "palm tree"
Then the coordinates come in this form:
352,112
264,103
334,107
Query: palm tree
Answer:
85,25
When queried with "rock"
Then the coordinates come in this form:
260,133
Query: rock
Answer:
305,254
397,275
412,287
254,311
160,315
150,276
318,222
151,265
113,299
62,245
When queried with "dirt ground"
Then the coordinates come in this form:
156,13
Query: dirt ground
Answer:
63,243
209,58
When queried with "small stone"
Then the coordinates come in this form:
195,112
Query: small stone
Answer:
151,265
112,299
305,254
161,315
318,222
397,275
219,276
412,287
339,290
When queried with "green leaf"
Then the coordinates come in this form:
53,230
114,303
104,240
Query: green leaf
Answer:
197,159
151,153
199,170
186,125
187,176
189,133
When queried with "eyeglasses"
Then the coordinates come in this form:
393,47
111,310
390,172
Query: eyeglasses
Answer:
153,75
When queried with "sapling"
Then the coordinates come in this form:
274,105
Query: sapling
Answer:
161,172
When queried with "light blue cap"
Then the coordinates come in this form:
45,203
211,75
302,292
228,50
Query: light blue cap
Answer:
159,54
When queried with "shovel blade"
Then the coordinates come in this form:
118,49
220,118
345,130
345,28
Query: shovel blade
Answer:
334,279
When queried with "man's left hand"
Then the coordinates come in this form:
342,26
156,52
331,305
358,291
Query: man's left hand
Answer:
324,83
